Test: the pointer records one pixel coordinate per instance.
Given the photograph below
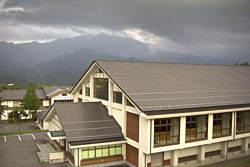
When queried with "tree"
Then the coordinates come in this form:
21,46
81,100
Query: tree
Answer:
30,101
16,115
2,107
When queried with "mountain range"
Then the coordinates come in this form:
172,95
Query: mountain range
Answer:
63,61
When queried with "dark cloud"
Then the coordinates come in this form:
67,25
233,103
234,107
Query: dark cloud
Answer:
220,27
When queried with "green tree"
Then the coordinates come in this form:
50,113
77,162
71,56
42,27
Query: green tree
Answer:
30,101
16,115
2,107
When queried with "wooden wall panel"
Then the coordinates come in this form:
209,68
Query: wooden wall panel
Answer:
132,131
101,160
132,154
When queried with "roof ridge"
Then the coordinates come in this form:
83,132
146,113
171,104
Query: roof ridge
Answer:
142,61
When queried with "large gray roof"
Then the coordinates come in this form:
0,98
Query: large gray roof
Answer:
154,86
18,94
51,90
88,122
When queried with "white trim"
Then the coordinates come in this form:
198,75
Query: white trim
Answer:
96,144
19,137
194,113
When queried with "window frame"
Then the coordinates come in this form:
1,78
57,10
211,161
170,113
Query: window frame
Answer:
165,132
102,148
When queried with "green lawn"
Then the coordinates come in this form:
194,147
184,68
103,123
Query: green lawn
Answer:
54,146
21,132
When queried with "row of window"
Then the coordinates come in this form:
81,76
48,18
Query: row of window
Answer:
101,91
166,131
101,151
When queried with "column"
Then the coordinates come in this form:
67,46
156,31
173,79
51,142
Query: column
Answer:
210,127
201,153
110,96
141,159
244,146
91,86
80,156
83,92
224,146
124,119
76,157
182,130
174,158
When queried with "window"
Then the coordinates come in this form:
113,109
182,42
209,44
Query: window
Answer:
101,151
64,94
117,97
80,92
87,91
222,124
129,103
79,100
16,103
243,122
196,128
166,131
101,88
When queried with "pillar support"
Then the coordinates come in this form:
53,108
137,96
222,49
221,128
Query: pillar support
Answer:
174,158
244,146
201,153
224,149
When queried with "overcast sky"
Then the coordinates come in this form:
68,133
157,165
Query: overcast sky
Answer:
215,28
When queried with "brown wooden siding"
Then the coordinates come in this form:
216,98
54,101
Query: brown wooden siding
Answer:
101,160
132,154
166,162
70,157
79,100
63,148
133,126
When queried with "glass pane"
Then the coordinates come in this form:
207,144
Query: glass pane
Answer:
99,153
91,153
112,151
85,155
105,152
118,150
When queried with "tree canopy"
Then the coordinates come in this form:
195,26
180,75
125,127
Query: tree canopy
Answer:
30,100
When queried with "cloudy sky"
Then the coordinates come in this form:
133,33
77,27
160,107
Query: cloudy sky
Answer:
200,27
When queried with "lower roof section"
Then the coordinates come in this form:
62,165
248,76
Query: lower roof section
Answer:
87,123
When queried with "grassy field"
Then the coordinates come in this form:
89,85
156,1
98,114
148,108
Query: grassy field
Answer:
21,132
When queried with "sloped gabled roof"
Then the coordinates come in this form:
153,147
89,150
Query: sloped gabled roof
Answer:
155,86
18,94
88,122
53,90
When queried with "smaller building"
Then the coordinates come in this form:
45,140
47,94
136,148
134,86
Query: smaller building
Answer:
85,132
47,96
58,93
12,99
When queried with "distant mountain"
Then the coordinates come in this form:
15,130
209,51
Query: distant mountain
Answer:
67,69
63,60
